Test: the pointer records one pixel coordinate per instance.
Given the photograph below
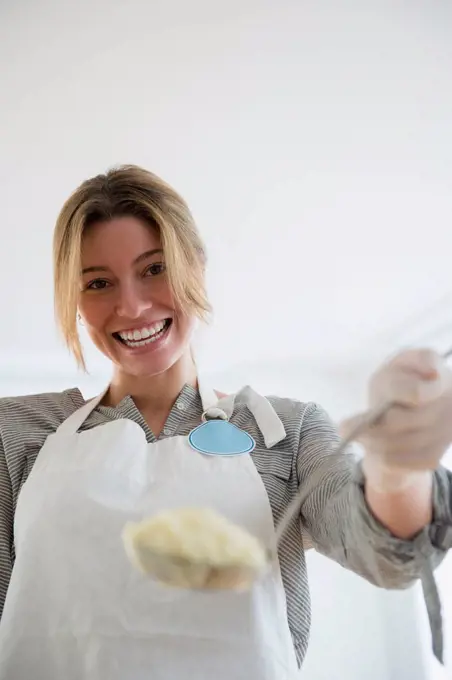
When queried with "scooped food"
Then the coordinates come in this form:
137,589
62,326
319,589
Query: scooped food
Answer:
195,548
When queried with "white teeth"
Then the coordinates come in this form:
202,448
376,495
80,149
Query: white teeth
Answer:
137,338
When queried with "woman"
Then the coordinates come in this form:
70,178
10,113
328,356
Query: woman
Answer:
129,263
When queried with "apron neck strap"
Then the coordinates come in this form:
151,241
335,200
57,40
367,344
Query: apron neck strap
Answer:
267,420
264,414
72,424
209,399
214,407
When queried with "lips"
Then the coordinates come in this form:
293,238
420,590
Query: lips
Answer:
138,337
144,332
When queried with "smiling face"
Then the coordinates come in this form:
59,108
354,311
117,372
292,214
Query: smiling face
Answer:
115,229
126,302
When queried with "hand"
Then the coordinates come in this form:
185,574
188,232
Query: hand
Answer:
416,432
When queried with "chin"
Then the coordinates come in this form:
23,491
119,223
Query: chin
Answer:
150,363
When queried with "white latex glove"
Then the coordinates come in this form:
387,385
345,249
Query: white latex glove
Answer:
414,435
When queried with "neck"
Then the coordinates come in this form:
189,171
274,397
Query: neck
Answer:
155,393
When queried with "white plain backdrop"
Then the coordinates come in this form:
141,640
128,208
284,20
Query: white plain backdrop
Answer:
313,142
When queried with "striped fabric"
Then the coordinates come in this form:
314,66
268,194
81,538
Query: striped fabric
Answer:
334,513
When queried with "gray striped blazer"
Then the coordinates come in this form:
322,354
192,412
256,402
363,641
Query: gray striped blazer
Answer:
334,514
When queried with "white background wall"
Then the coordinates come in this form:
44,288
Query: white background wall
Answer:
313,142
322,125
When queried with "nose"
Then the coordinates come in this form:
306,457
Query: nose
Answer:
131,302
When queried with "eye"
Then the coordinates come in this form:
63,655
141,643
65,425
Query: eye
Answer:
97,284
155,269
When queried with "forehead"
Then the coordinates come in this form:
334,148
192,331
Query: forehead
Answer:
119,241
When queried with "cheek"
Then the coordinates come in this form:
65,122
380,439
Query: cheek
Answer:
187,325
160,293
94,312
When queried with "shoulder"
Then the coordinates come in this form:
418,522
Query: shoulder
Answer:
291,409
44,411
300,419
304,421
301,415
26,422
308,413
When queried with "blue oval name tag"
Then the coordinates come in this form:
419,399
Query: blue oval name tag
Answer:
220,438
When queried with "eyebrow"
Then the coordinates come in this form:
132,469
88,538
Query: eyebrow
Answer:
137,260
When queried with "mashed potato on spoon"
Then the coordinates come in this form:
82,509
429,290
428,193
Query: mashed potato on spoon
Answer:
195,548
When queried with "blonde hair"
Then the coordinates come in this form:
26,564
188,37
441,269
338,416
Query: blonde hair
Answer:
127,191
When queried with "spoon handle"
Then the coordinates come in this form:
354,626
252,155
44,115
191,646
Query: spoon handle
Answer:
369,419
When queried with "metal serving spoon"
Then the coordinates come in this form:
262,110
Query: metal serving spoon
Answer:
179,571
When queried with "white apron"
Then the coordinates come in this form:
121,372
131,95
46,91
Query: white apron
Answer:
76,609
